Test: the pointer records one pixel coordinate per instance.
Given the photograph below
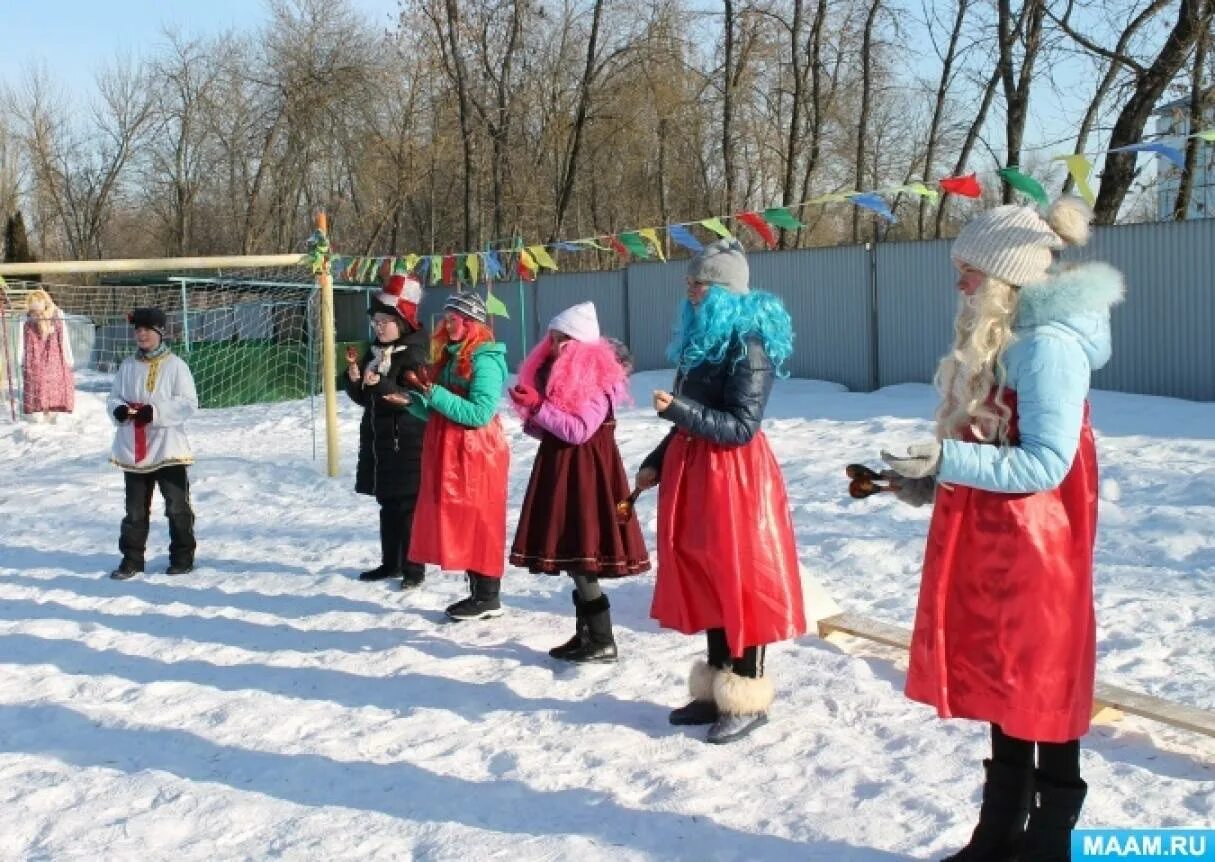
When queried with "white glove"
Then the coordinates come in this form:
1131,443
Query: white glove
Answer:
922,459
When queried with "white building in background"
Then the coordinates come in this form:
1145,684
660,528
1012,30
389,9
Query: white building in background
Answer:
1173,128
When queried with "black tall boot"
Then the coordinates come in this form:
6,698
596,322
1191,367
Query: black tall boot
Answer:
390,545
1001,829
482,602
580,634
599,646
1048,838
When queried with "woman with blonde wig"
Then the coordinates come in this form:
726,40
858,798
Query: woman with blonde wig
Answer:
45,356
1005,630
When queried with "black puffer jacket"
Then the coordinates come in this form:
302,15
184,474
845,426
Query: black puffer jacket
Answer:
722,402
390,437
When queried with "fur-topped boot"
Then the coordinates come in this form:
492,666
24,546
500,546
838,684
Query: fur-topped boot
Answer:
702,709
742,705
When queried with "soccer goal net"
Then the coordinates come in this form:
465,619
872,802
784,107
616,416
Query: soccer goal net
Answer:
249,337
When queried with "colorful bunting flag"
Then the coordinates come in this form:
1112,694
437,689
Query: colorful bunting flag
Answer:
618,247
781,217
1207,135
472,265
411,260
651,236
754,221
1173,154
495,306
919,190
423,269
635,244
568,246
1027,185
714,224
1080,169
874,203
527,265
540,253
436,268
681,236
966,186
833,198
493,266
449,269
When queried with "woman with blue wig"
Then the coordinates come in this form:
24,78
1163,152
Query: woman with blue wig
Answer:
727,557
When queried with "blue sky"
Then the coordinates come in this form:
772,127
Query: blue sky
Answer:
74,38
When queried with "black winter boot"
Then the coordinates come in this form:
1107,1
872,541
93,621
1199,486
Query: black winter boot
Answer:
413,575
599,646
380,573
580,634
1048,838
482,602
127,569
1001,829
702,708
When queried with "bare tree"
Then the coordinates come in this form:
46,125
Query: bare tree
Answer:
1023,26
862,124
1199,100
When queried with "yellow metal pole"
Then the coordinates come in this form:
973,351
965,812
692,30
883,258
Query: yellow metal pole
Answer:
60,267
328,355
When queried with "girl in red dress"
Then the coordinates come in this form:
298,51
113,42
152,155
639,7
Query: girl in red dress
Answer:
727,557
48,384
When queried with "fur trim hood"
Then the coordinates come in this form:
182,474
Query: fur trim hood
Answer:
583,370
1076,301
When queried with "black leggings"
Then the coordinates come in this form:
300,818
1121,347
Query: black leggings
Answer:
751,664
1058,762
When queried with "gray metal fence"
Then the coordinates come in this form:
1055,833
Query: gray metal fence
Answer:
872,317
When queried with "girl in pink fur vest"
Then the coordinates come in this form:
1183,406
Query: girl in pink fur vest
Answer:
568,388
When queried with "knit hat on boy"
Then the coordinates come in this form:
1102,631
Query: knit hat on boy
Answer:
149,318
722,262
469,304
400,296
1016,245
579,322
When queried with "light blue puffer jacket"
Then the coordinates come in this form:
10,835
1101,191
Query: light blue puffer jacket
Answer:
1062,335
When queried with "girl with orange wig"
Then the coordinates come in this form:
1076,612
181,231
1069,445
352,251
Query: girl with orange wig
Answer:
460,521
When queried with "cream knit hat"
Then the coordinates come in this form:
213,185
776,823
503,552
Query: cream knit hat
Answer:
1015,244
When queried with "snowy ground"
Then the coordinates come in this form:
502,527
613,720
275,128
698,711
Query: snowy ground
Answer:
270,706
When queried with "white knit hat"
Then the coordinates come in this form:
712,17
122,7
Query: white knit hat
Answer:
723,262
1015,244
579,322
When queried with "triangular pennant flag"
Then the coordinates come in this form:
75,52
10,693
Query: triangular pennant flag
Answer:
754,221
965,186
681,236
714,224
529,260
495,306
472,265
1080,169
423,269
618,247
449,269
1207,135
1027,185
436,268
635,244
919,190
781,217
832,198
874,203
370,265
541,255
525,266
411,260
651,236
1173,154
569,246
494,265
